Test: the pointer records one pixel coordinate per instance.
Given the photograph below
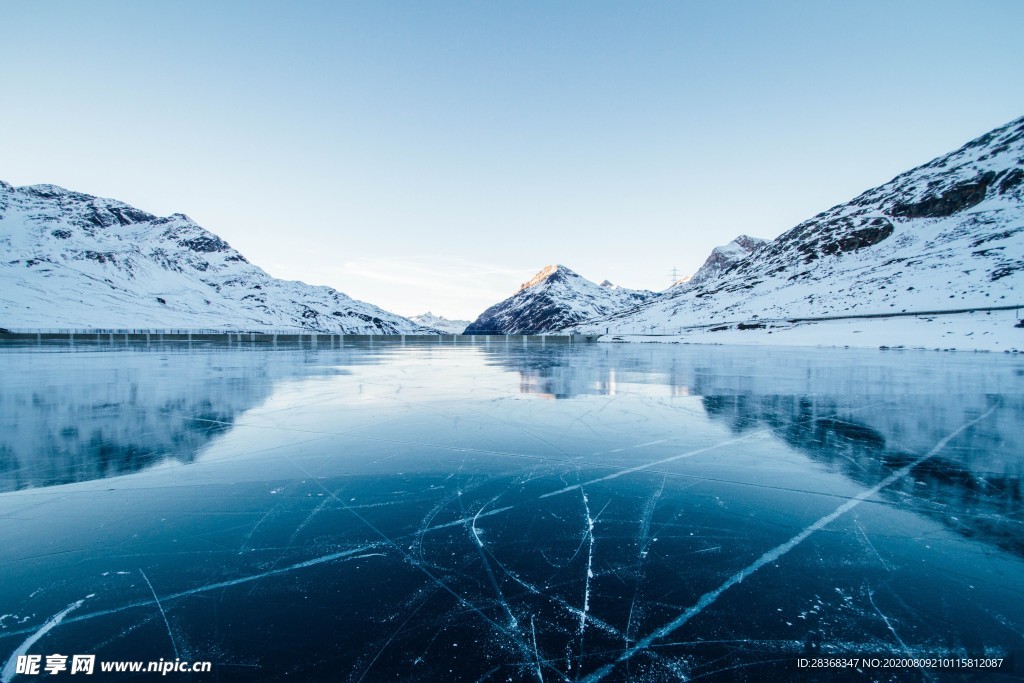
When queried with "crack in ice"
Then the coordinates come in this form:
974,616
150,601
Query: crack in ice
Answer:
162,612
513,622
346,554
778,551
646,466
10,668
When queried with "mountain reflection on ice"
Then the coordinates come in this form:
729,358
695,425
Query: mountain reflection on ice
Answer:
420,512
844,416
67,417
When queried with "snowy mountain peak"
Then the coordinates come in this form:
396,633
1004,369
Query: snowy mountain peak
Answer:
722,259
77,261
743,243
552,300
440,323
552,273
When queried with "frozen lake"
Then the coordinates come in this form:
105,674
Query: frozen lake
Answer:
499,512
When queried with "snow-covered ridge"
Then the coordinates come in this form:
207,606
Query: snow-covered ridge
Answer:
946,235
722,259
71,260
552,300
545,273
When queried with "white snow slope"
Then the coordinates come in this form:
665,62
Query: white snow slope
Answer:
947,235
73,261
440,323
553,299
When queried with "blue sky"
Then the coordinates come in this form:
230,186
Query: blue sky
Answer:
434,155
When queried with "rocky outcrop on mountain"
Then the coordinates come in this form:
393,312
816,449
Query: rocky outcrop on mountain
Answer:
946,235
71,260
552,300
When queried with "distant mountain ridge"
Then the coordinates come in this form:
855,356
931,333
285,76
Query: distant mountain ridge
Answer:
440,323
72,260
553,299
948,234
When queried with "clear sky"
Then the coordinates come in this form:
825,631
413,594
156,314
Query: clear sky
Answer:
433,155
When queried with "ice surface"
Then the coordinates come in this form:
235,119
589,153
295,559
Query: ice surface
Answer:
491,511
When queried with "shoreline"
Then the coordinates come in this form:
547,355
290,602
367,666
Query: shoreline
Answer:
980,332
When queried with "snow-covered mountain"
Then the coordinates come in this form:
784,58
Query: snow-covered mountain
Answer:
552,300
440,323
722,259
946,235
71,260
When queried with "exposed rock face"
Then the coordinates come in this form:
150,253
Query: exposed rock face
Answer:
552,300
72,260
956,198
945,235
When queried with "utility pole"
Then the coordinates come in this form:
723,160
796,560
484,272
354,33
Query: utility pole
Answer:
674,275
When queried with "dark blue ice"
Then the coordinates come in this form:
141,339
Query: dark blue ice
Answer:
507,512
